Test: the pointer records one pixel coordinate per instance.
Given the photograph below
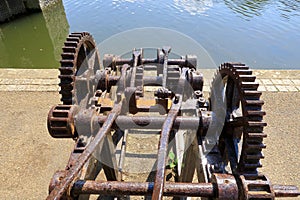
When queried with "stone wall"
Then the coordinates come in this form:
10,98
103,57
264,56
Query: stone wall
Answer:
46,3
12,8
57,24
38,42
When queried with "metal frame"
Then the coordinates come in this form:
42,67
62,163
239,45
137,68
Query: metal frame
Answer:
101,120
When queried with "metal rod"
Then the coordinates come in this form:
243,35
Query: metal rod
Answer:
123,151
165,134
136,55
148,80
129,61
63,185
152,122
166,51
135,188
286,191
163,148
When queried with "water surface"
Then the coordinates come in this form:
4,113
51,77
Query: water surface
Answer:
265,34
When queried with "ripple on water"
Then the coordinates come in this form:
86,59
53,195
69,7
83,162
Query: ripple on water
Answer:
262,33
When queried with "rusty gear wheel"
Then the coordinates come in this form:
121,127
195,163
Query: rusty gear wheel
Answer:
241,140
80,61
60,121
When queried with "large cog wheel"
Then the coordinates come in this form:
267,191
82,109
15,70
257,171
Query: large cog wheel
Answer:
80,61
241,140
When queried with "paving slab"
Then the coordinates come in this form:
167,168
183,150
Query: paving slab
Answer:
29,156
47,79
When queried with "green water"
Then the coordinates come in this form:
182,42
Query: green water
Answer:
264,34
34,41
25,43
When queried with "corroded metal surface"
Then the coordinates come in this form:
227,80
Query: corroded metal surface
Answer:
221,137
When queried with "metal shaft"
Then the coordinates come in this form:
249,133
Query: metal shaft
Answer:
286,191
63,185
153,122
136,188
129,61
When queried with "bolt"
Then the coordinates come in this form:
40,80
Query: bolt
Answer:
201,101
166,49
98,93
198,93
119,97
177,97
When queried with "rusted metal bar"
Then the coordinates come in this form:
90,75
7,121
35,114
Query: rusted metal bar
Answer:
163,148
211,190
142,188
165,134
64,184
286,191
153,122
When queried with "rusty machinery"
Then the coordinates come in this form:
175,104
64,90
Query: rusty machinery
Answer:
223,135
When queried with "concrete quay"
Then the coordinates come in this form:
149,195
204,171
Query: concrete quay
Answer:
47,80
29,156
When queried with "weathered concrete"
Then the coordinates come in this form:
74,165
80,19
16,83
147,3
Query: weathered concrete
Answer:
46,80
45,3
11,8
4,11
18,46
29,156
56,23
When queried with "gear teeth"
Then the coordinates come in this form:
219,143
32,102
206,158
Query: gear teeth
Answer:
66,70
67,63
241,67
255,102
73,39
257,124
68,56
60,122
70,44
66,78
65,93
252,93
243,71
235,64
253,165
253,134
256,187
69,49
69,66
249,78
249,85
255,113
257,135
68,87
252,147
255,156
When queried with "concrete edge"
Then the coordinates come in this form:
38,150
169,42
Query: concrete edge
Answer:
38,80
